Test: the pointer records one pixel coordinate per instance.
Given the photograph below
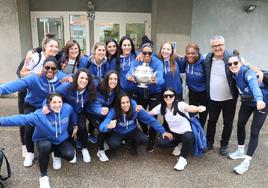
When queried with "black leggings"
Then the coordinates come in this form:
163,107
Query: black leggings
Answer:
151,102
136,136
187,140
65,150
199,98
21,97
82,129
29,129
256,125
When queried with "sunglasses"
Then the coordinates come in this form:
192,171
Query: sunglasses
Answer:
50,68
234,63
169,95
149,53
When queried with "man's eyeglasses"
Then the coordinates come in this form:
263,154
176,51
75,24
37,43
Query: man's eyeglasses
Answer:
149,53
234,63
217,46
50,68
169,95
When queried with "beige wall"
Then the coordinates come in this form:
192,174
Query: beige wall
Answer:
10,41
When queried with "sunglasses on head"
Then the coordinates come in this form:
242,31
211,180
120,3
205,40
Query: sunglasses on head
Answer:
234,63
149,53
50,68
169,95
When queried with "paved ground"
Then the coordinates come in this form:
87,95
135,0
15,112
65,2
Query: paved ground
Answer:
145,170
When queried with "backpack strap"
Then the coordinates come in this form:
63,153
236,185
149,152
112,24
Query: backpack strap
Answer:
7,164
39,55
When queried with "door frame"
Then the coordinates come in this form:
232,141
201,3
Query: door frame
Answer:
66,24
122,18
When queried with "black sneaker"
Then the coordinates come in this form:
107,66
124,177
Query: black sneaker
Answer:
150,146
209,147
223,151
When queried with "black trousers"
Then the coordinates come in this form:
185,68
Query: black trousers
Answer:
29,129
21,97
82,129
65,150
136,136
228,112
199,98
152,101
258,120
187,140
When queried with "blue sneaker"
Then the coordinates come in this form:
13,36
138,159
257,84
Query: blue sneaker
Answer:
92,138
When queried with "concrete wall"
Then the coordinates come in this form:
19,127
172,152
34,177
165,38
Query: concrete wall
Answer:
10,41
244,31
24,26
171,21
100,5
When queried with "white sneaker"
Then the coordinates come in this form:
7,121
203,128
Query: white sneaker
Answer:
177,150
181,164
56,161
86,156
242,168
74,159
106,146
238,154
28,160
44,182
102,156
23,151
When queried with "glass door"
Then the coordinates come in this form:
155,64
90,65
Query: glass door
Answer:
65,25
116,25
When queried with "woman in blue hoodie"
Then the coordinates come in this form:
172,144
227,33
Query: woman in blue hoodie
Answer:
254,99
193,64
107,90
80,93
171,69
121,123
96,63
50,133
38,89
151,95
125,57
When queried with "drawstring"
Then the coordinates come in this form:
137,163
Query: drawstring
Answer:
59,122
82,97
125,120
56,126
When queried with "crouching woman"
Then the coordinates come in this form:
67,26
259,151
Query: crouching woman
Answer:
50,133
121,122
179,126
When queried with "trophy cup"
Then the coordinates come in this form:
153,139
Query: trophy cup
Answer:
143,75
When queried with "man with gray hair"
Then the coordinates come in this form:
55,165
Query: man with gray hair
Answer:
222,93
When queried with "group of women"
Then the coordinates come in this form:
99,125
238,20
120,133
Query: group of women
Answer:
65,89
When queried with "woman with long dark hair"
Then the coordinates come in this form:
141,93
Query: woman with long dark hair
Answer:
121,123
79,94
179,126
107,90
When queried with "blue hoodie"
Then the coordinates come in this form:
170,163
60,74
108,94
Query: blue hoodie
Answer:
101,101
124,125
195,75
77,99
38,87
52,127
125,63
171,80
157,67
247,82
89,63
